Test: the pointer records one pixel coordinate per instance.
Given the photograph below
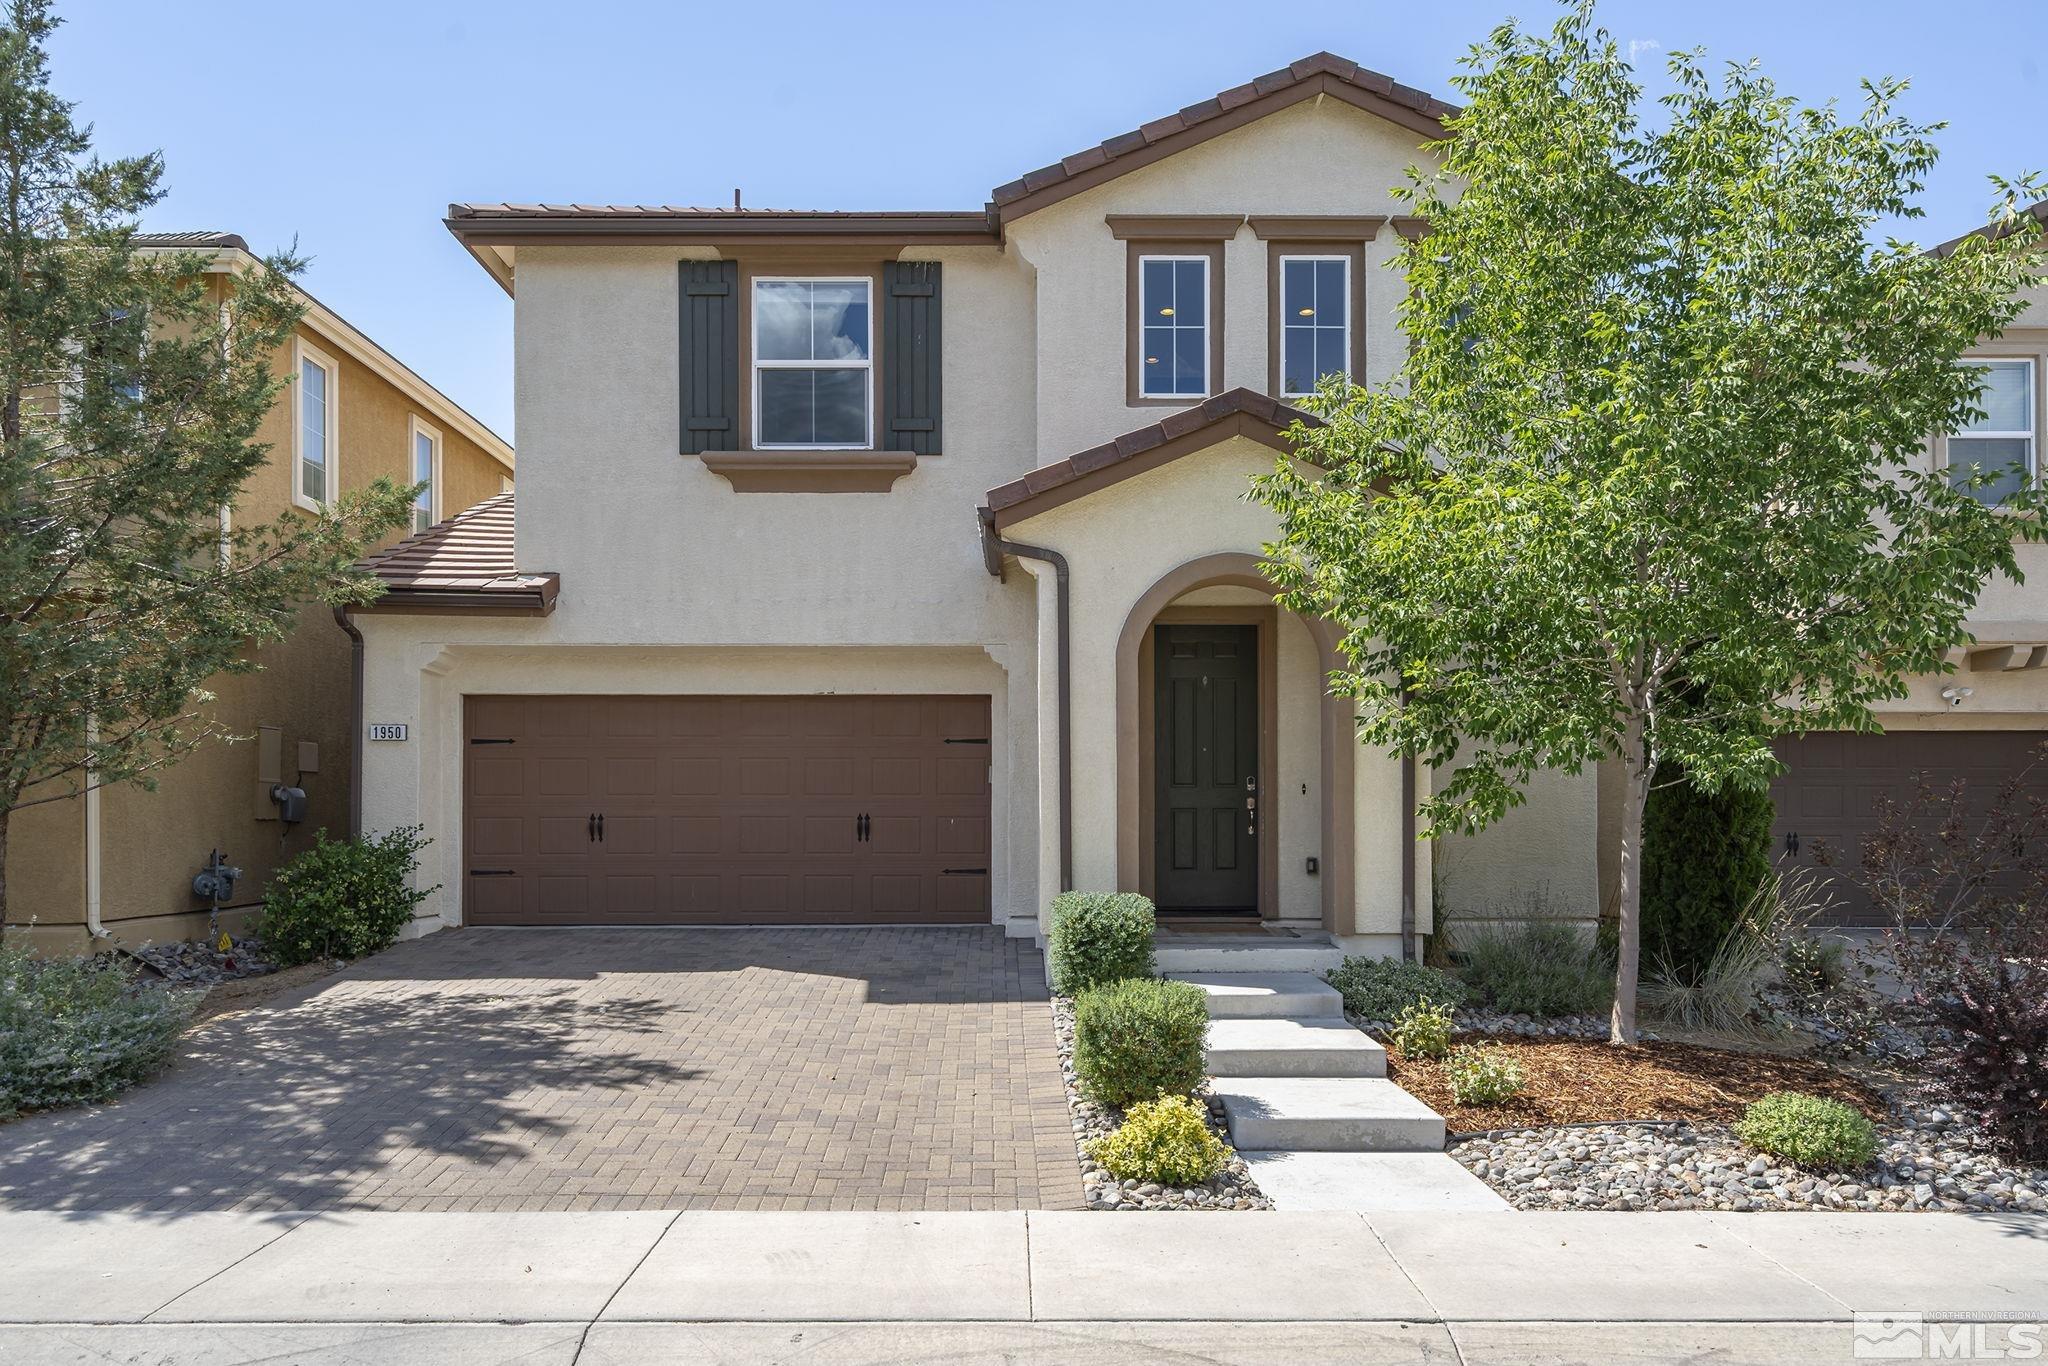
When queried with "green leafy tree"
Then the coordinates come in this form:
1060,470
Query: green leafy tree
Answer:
1650,485
130,394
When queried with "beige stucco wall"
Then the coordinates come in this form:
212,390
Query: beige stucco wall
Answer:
1318,158
153,841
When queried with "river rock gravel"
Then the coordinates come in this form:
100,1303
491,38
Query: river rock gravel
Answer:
1928,1159
1230,1189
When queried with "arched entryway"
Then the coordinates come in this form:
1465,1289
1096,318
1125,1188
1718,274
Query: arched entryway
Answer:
1136,760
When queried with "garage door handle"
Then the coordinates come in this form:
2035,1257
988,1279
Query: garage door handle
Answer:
590,826
1792,841
860,828
963,872
600,827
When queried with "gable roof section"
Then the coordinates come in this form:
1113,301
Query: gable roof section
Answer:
1236,412
1324,73
2038,211
465,564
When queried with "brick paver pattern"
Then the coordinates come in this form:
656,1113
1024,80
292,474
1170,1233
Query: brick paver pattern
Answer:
574,1069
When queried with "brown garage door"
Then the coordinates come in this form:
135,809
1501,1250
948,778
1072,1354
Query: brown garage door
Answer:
726,810
1832,781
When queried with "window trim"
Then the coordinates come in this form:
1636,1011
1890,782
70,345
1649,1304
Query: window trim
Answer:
1137,252
755,365
415,429
1352,259
303,352
2032,361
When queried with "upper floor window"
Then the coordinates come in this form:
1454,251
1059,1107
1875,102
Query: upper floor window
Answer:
813,362
314,430
2002,441
1173,327
1315,321
426,470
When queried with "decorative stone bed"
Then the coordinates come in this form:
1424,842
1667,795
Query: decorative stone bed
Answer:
1230,1189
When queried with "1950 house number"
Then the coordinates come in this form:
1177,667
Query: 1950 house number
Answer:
387,730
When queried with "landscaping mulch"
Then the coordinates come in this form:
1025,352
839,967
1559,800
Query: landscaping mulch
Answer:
1573,1081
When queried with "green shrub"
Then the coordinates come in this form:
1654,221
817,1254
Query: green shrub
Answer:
1538,968
1811,965
1097,937
1483,1076
1165,1140
342,898
1705,854
1423,1030
1378,988
1816,1133
1139,1037
76,1030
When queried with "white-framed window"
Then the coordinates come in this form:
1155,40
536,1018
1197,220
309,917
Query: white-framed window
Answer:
1315,321
316,427
424,444
1173,326
813,362
2001,442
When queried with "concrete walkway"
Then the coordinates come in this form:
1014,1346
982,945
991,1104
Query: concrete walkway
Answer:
733,1286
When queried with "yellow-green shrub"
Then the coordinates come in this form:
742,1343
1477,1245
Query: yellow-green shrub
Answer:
1165,1140
1816,1133
1423,1030
1483,1076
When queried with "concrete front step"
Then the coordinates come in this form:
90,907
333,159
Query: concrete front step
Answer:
1267,995
1190,953
1327,1114
1313,1047
1370,1181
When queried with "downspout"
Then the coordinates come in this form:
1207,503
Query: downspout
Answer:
94,928
1408,954
355,715
993,548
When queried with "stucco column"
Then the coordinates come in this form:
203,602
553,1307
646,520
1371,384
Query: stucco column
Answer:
1046,581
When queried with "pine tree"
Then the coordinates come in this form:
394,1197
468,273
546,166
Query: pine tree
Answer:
130,396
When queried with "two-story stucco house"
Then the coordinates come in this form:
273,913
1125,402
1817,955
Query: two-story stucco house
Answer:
897,567
117,863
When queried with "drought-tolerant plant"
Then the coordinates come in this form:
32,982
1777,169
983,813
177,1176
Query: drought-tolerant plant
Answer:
1725,994
1812,1131
1706,855
1138,1038
1167,1140
1482,1076
1809,965
1537,968
1423,1029
343,898
75,1030
1096,937
1378,988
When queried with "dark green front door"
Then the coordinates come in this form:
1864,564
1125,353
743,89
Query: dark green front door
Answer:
1205,711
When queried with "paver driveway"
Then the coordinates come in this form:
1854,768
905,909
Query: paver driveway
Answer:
559,1069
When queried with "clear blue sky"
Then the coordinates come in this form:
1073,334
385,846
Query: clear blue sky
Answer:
350,127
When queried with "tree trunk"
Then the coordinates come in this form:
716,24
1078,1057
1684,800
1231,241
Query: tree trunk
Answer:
4,812
1628,952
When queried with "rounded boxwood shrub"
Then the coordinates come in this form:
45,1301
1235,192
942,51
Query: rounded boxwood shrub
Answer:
343,898
77,1030
1167,1140
1812,1131
1096,937
1140,1037
1378,988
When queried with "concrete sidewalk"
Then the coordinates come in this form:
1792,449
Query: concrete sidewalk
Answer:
743,1287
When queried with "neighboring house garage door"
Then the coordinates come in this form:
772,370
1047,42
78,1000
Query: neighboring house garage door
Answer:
726,810
1832,781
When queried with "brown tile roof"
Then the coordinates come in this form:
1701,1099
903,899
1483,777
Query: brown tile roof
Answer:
464,563
1322,73
1236,412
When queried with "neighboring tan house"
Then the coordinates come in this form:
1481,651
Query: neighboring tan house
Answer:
119,861
898,567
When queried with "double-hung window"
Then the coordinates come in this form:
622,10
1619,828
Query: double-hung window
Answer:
2002,442
1173,327
426,470
313,430
813,363
1315,321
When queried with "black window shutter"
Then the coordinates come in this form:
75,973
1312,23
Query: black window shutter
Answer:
912,359
710,356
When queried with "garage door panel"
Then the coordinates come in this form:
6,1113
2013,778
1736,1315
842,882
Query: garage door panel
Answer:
728,810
